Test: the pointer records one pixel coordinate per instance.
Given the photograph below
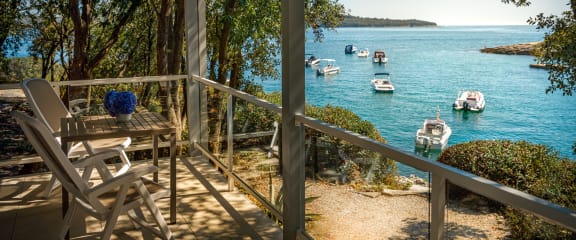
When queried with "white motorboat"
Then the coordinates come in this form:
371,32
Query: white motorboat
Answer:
364,53
380,57
434,134
329,69
349,49
469,101
382,83
312,60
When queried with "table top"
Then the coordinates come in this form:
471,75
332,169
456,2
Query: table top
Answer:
106,126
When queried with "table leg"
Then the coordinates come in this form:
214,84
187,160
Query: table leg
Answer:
65,200
172,178
155,155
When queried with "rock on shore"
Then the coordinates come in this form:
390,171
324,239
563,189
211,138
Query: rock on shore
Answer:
514,49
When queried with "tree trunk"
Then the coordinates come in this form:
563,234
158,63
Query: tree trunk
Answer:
81,66
217,102
170,38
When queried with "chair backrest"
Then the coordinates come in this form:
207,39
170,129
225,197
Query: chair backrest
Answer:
45,103
50,151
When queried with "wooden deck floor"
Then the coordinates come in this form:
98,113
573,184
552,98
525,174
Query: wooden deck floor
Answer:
205,209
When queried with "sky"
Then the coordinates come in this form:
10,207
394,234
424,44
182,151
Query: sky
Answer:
455,12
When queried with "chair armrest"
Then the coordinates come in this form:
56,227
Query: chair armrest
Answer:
95,159
129,177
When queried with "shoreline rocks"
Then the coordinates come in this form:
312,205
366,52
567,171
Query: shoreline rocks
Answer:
514,49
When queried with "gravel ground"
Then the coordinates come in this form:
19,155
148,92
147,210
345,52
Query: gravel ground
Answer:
347,214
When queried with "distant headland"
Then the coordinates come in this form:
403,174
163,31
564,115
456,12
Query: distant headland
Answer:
353,21
514,49
530,49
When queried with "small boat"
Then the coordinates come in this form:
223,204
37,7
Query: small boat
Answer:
364,53
382,83
312,60
380,57
349,49
434,134
330,68
469,101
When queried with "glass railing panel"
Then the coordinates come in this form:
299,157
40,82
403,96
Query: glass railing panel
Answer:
353,193
471,216
256,151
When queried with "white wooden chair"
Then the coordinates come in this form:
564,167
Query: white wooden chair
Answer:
49,108
115,195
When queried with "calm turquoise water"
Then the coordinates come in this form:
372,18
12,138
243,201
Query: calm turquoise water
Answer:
428,67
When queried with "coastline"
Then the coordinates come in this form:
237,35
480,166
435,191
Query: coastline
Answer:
514,49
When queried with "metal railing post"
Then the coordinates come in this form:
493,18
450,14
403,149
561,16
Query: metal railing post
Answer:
438,207
230,140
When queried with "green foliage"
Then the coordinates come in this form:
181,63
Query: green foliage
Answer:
323,14
558,48
384,170
344,118
528,167
19,69
13,31
251,118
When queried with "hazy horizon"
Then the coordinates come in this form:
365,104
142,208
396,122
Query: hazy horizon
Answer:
455,12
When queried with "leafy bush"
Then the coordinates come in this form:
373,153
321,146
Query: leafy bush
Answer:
384,170
525,166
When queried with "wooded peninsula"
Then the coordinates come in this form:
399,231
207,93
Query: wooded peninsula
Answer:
353,21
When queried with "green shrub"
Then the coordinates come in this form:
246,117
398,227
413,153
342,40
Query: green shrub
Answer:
525,166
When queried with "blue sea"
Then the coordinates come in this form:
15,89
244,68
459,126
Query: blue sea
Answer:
428,67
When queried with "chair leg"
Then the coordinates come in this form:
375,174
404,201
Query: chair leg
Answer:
158,218
67,222
138,214
52,184
113,215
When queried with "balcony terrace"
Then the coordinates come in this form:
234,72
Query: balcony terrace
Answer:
205,209
211,187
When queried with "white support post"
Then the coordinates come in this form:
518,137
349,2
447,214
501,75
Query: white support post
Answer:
195,11
292,154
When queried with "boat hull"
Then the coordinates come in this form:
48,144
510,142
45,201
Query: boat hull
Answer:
383,90
327,72
380,60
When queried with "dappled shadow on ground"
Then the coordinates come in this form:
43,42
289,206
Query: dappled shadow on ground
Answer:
416,229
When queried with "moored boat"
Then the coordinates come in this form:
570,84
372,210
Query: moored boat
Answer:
380,57
382,83
349,49
469,101
434,134
312,60
364,53
329,69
